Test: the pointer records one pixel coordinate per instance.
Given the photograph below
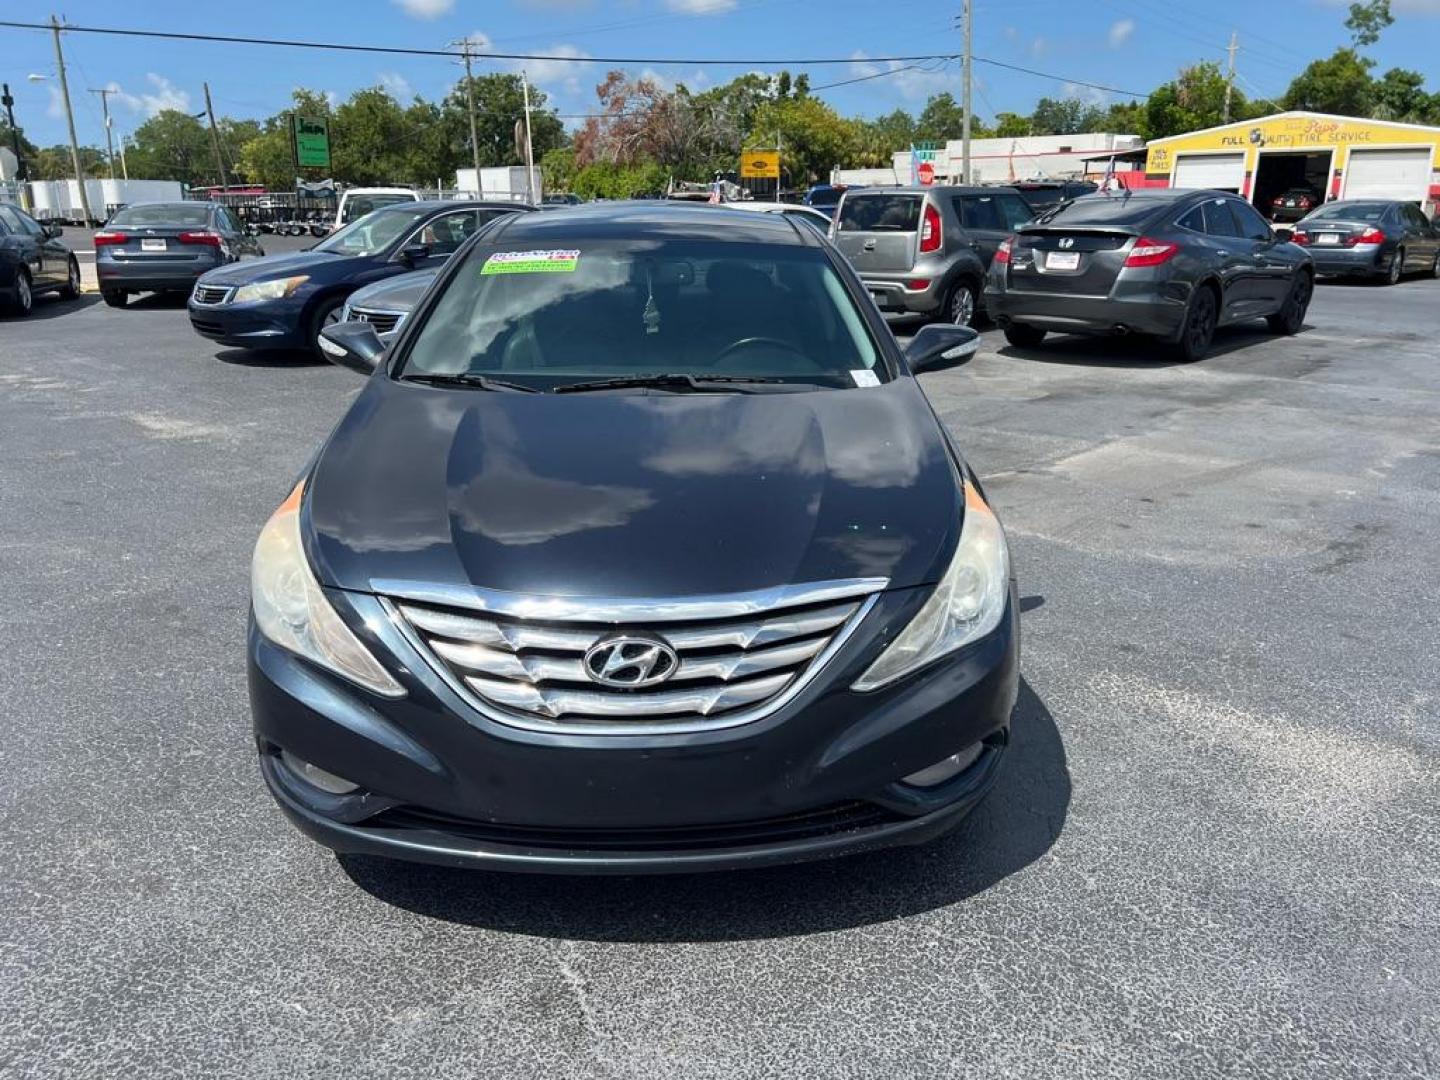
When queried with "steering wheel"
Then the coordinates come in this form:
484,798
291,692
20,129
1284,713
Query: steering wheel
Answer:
760,342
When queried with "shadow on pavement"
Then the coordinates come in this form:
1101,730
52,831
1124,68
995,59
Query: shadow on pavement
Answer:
270,358
1016,824
49,306
1131,351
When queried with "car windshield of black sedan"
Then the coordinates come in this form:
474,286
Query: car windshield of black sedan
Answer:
718,314
370,234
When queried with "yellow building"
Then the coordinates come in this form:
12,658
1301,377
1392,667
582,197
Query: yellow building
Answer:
1339,157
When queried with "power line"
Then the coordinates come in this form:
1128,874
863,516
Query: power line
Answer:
1059,78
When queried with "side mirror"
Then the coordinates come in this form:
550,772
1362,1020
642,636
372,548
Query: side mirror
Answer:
353,345
54,232
1284,236
934,345
410,254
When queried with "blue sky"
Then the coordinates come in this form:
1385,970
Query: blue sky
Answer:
1129,44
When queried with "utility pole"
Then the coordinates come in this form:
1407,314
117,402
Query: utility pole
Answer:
969,79
22,172
470,104
70,120
529,150
215,139
1230,74
124,169
109,142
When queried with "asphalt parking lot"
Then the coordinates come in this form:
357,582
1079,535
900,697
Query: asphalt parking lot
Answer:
1214,850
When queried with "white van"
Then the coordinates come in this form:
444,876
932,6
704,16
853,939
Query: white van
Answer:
357,202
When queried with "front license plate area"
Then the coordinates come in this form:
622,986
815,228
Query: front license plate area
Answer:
1062,260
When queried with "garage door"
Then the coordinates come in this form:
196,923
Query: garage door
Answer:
1389,174
1223,171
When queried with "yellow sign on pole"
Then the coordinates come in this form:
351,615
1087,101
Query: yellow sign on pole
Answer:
760,164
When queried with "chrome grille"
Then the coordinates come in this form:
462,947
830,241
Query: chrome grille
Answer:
384,322
522,661
212,294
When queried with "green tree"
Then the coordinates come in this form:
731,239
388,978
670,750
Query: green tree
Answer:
1009,125
53,163
1064,116
943,119
499,102
28,150
1340,84
1367,21
1400,95
172,145
814,138
1194,100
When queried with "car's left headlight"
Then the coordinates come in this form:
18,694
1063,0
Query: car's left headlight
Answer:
967,604
269,290
291,610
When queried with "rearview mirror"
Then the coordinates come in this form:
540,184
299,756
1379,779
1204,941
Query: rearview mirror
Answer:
939,344
1284,236
353,345
410,254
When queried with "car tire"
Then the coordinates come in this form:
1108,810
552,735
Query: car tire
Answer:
71,289
1291,316
115,297
1024,337
1396,268
962,307
1197,332
24,301
328,312
1435,266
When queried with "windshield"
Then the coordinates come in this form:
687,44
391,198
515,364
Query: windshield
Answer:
880,213
179,214
359,205
371,234
620,309
1368,212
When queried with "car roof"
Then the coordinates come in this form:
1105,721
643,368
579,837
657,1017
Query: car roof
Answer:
427,205
949,189
651,218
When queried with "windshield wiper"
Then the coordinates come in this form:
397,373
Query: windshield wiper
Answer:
672,381
469,379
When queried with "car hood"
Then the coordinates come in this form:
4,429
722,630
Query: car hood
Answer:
399,293
631,494
249,271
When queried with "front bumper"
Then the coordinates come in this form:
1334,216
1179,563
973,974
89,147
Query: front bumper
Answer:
1361,259
1147,313
820,777
264,324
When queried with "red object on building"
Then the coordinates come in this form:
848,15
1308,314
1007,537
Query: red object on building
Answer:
926,173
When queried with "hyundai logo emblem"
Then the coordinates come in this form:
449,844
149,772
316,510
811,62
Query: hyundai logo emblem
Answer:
630,662
1067,242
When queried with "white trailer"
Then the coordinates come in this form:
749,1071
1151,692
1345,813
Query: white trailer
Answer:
59,200
505,183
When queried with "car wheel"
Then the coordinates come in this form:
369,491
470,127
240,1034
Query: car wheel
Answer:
1199,329
24,295
1291,316
1397,267
1435,266
71,289
1024,337
325,315
963,305
115,298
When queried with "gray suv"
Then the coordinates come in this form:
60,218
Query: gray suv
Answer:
926,250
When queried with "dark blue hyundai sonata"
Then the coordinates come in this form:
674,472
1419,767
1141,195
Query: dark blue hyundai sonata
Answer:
283,301
641,550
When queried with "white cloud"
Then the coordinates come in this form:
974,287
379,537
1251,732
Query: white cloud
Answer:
1039,47
1088,94
701,7
425,9
332,98
559,67
479,40
396,85
1120,32
913,85
164,95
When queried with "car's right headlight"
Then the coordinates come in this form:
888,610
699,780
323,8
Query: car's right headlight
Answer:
269,290
967,604
291,609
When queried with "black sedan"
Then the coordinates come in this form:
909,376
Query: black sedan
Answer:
165,247
1371,238
1171,264
282,301
33,260
642,550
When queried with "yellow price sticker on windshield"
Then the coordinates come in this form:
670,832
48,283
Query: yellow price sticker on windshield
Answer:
531,262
